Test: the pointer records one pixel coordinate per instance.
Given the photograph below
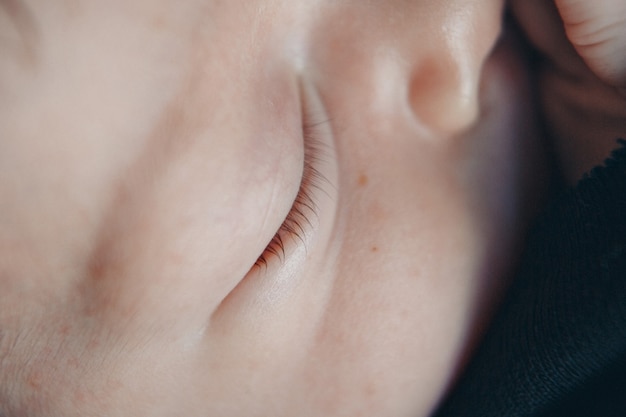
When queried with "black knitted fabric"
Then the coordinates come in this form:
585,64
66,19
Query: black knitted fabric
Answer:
557,347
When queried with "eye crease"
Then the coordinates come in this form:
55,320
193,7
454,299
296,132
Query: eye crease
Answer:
298,220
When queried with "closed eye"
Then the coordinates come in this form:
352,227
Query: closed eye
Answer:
298,221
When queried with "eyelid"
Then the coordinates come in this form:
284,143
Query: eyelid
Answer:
299,220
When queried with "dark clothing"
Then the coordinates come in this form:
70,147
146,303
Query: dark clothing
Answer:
557,346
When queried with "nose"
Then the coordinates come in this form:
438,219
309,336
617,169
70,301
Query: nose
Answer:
426,57
446,71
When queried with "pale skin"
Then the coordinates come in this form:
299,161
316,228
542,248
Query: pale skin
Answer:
150,151
582,80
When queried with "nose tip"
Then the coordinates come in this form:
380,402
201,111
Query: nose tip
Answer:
444,88
443,94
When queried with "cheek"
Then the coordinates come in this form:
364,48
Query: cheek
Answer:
428,231
124,167
124,227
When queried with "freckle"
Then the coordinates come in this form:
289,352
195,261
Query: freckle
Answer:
96,268
369,389
176,258
159,23
64,330
377,211
79,397
93,344
73,8
253,365
35,380
375,249
363,180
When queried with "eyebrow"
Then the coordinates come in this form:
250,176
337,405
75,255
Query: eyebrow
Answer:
23,20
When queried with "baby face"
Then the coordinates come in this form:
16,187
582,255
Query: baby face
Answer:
253,208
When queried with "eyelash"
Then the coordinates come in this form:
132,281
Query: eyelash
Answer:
304,206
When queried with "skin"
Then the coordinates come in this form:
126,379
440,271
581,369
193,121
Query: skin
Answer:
581,76
149,152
